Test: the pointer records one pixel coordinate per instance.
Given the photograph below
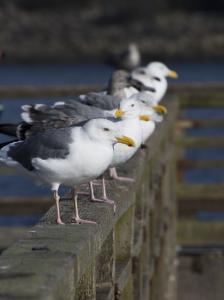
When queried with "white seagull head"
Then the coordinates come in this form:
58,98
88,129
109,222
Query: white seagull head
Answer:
145,98
106,132
159,69
147,103
128,108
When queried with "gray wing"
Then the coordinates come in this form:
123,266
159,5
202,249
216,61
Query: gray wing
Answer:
73,108
42,113
53,143
117,83
103,101
71,112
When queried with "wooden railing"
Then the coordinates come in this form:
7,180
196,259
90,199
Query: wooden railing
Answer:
201,205
129,255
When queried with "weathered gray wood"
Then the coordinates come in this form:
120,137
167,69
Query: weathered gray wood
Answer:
193,232
201,277
189,191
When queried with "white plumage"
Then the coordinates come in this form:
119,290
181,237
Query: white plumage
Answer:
68,156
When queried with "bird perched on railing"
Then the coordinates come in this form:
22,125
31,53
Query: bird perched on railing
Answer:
69,156
128,59
62,114
153,75
134,112
152,78
139,124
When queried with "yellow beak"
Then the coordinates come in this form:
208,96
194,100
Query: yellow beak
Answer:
172,74
126,140
160,109
144,118
119,113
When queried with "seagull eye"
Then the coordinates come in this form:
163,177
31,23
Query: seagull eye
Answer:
106,129
132,105
142,72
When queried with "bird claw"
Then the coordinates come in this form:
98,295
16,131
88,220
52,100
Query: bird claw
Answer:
125,179
111,202
81,221
59,222
105,200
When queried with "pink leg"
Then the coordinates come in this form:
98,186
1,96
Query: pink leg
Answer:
92,195
94,182
57,199
105,199
114,175
75,218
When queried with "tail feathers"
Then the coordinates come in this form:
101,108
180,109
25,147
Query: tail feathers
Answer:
8,129
32,113
7,143
5,158
22,131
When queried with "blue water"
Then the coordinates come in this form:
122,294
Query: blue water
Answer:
60,74
199,71
54,74
198,176
26,220
204,154
204,113
197,132
16,185
210,216
75,74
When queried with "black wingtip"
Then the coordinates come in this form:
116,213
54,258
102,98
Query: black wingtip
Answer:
8,129
7,143
143,146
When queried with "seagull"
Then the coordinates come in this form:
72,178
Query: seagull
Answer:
67,156
129,111
154,76
121,85
117,83
129,58
63,113
139,124
129,124
40,117
134,114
